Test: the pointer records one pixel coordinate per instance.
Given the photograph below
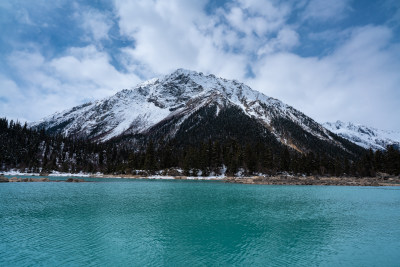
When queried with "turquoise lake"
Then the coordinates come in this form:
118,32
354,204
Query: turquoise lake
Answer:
197,223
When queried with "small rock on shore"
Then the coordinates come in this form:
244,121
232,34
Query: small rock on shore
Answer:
72,180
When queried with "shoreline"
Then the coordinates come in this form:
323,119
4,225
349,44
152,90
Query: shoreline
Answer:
159,177
317,180
284,179
28,179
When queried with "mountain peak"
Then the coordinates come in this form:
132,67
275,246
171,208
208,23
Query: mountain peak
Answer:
185,72
365,136
195,76
185,100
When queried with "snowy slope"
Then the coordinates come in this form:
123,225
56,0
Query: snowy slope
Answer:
177,95
364,136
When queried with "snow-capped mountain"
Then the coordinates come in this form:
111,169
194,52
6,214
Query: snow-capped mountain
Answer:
367,137
190,102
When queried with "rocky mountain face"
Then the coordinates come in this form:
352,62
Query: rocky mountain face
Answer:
367,137
186,107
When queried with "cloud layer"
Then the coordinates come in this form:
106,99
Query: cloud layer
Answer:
315,55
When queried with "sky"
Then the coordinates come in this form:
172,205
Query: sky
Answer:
331,59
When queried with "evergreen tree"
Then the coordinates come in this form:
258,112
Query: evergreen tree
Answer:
338,167
150,161
268,161
285,159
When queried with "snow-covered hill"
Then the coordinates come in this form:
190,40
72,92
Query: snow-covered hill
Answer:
367,137
174,98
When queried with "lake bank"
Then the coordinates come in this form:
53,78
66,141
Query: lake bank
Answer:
380,180
36,180
317,180
284,179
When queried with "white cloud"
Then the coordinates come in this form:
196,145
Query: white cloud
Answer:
176,35
25,104
262,16
88,65
50,85
96,24
165,37
285,40
10,94
182,35
357,82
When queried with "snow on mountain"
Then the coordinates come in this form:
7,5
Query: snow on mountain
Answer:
177,95
365,136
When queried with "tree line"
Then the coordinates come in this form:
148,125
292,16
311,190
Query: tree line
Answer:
32,150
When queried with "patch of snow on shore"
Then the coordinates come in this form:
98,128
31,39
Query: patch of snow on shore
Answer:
53,173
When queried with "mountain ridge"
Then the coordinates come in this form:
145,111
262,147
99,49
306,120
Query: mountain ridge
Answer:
365,136
159,107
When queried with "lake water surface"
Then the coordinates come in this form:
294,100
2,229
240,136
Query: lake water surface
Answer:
191,223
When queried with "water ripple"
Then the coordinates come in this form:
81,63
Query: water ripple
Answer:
190,223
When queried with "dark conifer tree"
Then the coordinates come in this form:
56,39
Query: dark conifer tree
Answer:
150,161
285,159
268,161
338,167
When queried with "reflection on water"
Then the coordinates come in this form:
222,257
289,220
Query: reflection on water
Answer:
197,223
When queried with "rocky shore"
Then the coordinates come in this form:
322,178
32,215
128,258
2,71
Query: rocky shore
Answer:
42,179
379,180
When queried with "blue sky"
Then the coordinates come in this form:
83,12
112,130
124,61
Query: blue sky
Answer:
331,59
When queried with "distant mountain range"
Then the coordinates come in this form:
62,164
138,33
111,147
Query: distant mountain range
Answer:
187,107
367,137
